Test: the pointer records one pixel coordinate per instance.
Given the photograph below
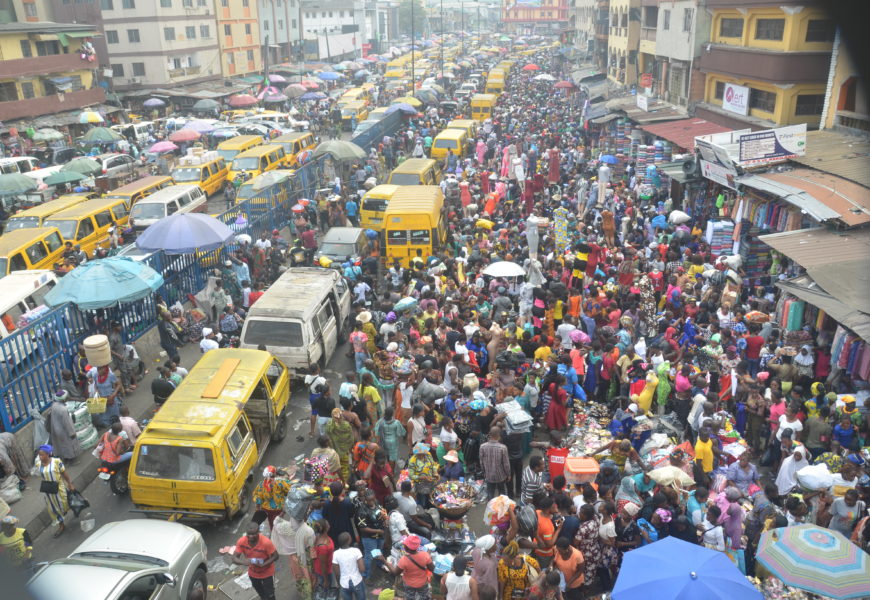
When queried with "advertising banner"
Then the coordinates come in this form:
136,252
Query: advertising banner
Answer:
715,163
736,99
773,145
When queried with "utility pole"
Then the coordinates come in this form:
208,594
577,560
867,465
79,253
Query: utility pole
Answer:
478,23
328,53
413,53
266,62
462,27
441,45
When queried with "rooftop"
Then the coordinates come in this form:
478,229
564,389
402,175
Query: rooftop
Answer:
844,155
43,27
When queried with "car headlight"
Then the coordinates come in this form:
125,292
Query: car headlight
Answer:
213,499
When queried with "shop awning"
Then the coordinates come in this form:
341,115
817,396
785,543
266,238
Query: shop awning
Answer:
836,260
840,154
674,170
822,195
581,74
596,110
252,79
597,89
809,291
683,132
604,119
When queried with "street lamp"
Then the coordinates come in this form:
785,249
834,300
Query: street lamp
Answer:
441,46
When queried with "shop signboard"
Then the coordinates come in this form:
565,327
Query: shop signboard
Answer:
715,164
773,145
642,102
736,99
646,80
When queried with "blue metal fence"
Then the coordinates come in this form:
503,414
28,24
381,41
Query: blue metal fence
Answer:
32,358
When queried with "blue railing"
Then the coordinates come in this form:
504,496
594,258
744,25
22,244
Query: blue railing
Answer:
32,358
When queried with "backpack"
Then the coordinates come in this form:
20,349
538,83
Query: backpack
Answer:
527,520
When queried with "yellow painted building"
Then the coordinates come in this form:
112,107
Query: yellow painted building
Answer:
848,105
780,53
623,42
238,37
42,71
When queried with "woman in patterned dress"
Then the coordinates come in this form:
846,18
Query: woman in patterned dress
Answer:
514,573
588,542
55,484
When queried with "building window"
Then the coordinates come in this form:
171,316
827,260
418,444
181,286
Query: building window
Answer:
138,69
230,59
688,19
265,25
245,3
280,23
250,55
47,48
169,33
247,29
166,3
107,5
224,3
769,29
228,30
666,20
201,3
187,3
719,93
650,16
731,28
111,36
8,92
820,30
117,70
762,100
204,31
810,104
133,36
30,11
128,3
293,24
190,32
27,89
26,50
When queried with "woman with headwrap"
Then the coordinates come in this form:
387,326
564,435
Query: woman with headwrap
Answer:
332,457
55,484
516,573
341,437
786,478
269,495
61,429
663,389
485,560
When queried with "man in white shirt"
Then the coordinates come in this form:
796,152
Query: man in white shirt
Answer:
348,561
263,242
208,340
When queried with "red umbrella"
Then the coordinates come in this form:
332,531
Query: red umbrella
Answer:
242,100
184,135
531,67
311,85
565,85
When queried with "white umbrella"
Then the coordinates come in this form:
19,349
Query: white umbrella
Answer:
504,268
543,77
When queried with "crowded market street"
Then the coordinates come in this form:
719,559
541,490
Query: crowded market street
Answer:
475,317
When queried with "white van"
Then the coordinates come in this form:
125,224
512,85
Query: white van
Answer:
135,132
18,164
20,292
301,317
165,202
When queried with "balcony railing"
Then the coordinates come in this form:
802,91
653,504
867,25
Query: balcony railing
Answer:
648,34
41,65
46,105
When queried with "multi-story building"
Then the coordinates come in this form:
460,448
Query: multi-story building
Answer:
279,28
601,34
847,105
681,28
535,16
623,42
42,70
158,43
333,29
767,63
239,37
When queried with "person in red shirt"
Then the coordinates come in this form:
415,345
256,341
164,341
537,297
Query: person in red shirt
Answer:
556,452
754,344
257,552
608,366
255,294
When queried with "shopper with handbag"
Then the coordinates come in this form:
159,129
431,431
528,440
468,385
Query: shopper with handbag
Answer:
55,484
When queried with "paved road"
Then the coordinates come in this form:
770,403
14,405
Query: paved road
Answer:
107,507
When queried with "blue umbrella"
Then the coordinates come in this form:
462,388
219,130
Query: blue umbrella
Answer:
185,233
329,76
402,106
609,159
106,282
678,569
313,96
361,73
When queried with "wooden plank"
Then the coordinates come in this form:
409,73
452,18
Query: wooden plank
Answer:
221,377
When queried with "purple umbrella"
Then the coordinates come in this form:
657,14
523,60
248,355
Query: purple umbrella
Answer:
275,78
200,125
153,103
313,96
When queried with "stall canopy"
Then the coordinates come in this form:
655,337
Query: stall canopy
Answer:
596,110
658,110
823,196
683,132
809,291
840,154
835,260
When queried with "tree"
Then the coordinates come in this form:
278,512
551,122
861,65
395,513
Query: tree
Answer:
405,18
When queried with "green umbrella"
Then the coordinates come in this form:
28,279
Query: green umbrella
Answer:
206,104
62,177
47,134
83,165
340,150
100,135
13,184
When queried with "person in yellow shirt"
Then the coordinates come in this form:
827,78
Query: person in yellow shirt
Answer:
705,452
15,543
558,312
543,353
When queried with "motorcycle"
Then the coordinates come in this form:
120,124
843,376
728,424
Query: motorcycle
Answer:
115,474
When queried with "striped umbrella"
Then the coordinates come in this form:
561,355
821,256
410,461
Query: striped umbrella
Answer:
816,559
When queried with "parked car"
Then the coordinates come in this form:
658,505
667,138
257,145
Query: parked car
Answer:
116,164
137,558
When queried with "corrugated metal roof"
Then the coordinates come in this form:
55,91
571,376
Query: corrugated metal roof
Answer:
658,110
791,194
836,260
844,155
808,290
683,132
849,200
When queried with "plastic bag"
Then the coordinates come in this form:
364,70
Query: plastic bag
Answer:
677,216
40,432
815,477
497,510
9,491
77,502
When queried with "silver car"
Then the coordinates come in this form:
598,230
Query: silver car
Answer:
138,558
116,164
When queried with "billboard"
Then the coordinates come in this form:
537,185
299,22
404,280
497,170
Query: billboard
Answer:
773,145
736,99
526,4
715,163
